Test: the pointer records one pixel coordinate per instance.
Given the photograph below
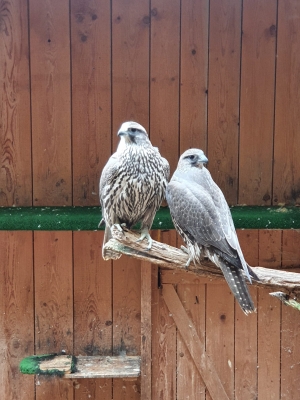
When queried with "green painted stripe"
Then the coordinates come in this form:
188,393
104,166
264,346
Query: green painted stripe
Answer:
87,218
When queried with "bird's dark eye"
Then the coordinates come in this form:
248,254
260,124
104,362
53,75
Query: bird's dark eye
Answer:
133,130
191,157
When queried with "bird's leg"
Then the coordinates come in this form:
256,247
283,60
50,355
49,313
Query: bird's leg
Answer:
185,250
146,235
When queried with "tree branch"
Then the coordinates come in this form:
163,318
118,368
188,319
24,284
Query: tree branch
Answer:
125,242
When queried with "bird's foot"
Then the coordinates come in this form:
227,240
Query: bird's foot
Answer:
145,235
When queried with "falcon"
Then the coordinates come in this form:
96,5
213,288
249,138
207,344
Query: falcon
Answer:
202,218
132,184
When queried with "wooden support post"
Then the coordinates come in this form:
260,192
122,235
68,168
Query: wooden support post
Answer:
146,330
194,344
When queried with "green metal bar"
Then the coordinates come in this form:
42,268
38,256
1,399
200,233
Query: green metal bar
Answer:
87,218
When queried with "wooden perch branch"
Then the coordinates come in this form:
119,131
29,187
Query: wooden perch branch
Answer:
125,242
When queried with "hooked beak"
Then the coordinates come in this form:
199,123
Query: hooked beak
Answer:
122,133
203,159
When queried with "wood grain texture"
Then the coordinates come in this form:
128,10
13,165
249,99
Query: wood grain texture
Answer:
220,334
290,249
223,95
268,346
15,136
164,77
286,187
16,313
53,305
126,319
249,242
163,337
270,248
245,349
130,101
189,382
146,332
193,74
50,100
194,343
290,353
92,308
130,63
91,96
257,102
245,342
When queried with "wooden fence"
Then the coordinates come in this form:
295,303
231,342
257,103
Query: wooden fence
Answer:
219,75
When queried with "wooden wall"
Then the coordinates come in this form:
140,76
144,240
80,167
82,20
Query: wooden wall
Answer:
219,75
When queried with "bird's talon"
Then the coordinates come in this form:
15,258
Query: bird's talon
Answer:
145,235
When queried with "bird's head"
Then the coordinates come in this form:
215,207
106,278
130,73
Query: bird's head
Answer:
192,158
131,132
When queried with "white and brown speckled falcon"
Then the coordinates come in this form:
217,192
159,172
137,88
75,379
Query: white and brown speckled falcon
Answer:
132,184
202,217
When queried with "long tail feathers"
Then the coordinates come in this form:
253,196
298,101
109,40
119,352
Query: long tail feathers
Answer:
107,253
236,282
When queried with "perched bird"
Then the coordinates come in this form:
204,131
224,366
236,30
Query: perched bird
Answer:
132,184
202,217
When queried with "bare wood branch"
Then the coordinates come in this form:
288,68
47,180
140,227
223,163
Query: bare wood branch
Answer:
125,242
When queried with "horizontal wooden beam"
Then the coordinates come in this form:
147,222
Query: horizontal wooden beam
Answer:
87,218
71,367
125,242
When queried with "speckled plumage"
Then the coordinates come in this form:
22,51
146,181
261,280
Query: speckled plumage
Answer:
132,183
202,217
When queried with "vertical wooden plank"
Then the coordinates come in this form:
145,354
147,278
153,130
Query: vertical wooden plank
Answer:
290,249
91,96
164,89
130,62
146,334
126,319
50,99
290,326
270,246
53,305
257,99
15,172
92,309
245,343
15,136
16,313
163,336
268,346
287,140
130,100
220,333
269,316
248,239
189,383
290,353
223,94
193,74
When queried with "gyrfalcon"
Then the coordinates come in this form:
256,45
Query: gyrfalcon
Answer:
202,217
132,184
